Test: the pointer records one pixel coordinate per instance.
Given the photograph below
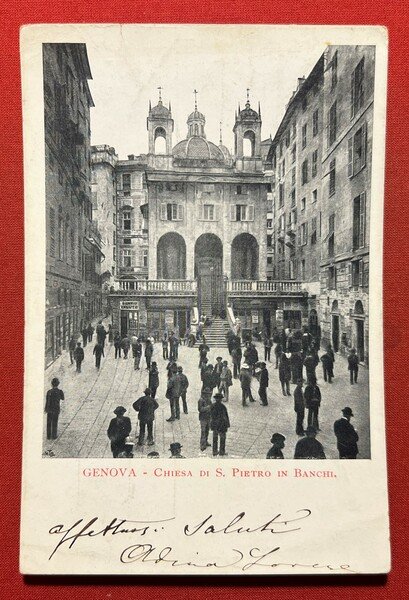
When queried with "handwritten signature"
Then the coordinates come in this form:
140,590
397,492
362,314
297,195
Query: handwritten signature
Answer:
147,552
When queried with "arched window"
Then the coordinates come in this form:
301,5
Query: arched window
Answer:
334,307
359,308
160,141
249,143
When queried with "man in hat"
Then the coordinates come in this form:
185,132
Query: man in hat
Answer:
52,408
312,395
236,355
327,366
203,406
78,356
226,380
145,406
90,330
203,350
84,333
245,381
118,430
219,424
98,352
284,373
299,407
309,447
353,366
71,347
175,449
278,441
346,435
173,393
262,391
217,371
310,363
184,384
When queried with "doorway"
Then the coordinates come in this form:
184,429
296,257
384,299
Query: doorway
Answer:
209,274
360,340
335,332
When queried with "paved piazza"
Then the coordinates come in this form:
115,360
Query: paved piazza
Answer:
91,396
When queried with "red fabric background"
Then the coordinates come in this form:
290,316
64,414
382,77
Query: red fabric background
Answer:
394,15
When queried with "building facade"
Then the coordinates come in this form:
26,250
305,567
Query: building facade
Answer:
73,253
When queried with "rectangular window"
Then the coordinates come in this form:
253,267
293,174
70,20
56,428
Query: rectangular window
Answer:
356,273
287,138
145,258
171,212
303,203
359,218
127,241
315,123
302,269
332,177
304,172
269,241
331,235
314,167
126,220
303,233
293,153
292,197
293,215
334,71
293,172
282,173
127,193
208,212
304,135
357,151
357,88
52,230
269,260
269,223
126,181
281,195
332,124
314,196
294,129
242,212
332,278
126,258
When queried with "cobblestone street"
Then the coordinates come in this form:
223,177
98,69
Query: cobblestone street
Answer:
91,396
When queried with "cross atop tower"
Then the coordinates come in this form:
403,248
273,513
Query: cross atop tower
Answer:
195,93
221,138
160,88
248,96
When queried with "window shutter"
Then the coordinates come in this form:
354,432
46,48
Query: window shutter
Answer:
119,182
232,212
349,273
180,212
299,236
362,218
361,273
364,142
163,212
250,212
350,157
352,95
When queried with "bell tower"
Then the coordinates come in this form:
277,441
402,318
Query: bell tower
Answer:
247,138
160,125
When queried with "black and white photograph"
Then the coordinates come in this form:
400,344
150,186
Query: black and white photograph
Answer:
207,248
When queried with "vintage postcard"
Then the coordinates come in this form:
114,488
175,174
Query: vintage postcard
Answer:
204,214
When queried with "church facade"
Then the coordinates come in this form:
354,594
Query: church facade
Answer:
194,217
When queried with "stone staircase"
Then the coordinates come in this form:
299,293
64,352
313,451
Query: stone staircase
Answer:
215,333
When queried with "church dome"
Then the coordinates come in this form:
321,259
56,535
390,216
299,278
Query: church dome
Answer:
196,116
160,110
225,151
198,148
248,114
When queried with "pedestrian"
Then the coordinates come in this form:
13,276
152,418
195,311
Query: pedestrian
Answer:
145,406
134,341
263,379
172,346
52,408
184,383
346,435
165,347
175,450
203,350
71,347
78,357
176,347
148,353
306,341
153,381
84,334
268,342
219,424
245,381
236,355
308,447
117,345
327,367
171,368
226,380
118,430
125,345
296,366
310,363
278,350
137,354
284,373
217,371
312,395
353,366
276,450
101,333
90,331
251,356
173,393
330,351
299,407
204,406
208,378
98,352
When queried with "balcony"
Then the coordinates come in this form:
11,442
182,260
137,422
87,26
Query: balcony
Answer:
159,287
246,288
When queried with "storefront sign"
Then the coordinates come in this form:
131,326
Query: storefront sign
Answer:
129,305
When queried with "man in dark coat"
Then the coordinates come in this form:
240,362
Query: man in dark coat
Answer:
245,381
346,435
90,330
153,381
52,408
203,350
84,334
125,345
236,355
312,395
203,406
284,373
296,366
217,371
309,447
310,363
117,345
327,366
299,407
145,406
262,391
137,354
276,450
208,379
173,394
98,351
148,353
71,347
353,366
184,384
219,424
78,356
118,430
268,343
165,347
